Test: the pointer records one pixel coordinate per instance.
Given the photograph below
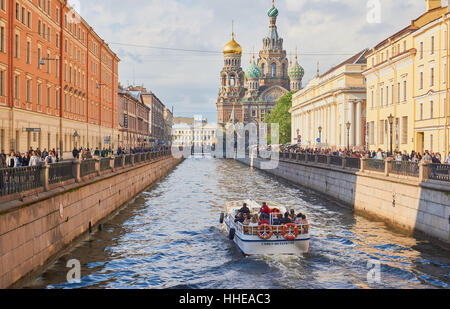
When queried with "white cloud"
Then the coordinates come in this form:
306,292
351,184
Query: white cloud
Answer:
330,30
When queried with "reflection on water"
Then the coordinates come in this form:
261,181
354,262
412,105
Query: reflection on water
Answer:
169,237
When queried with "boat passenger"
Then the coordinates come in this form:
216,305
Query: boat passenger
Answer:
278,220
265,209
292,215
254,221
305,224
299,219
245,210
263,221
305,221
286,219
246,219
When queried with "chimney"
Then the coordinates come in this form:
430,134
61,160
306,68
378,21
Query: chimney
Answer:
433,4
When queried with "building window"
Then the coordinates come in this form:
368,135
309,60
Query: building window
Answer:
421,50
421,81
432,77
381,97
28,90
405,130
404,90
2,83
39,58
16,87
432,45
2,39
431,109
28,52
274,70
48,97
421,111
39,94
16,46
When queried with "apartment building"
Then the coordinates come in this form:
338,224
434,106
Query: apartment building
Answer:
58,79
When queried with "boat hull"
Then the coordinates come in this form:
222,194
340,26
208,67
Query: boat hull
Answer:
253,245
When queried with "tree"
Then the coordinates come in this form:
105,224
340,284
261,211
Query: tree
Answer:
281,115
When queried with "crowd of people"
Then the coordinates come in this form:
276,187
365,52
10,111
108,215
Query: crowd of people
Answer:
414,156
269,216
38,157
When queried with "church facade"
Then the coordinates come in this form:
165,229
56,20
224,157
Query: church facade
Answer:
247,96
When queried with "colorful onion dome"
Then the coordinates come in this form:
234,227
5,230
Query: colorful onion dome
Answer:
296,71
273,12
253,72
232,47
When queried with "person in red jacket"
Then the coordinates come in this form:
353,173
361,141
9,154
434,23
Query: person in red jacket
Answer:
265,212
263,221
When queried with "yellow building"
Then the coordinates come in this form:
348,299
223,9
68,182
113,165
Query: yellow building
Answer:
406,78
321,111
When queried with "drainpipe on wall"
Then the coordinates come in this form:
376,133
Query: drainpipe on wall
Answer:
447,103
11,76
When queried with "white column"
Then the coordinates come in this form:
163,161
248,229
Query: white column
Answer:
328,124
358,123
351,117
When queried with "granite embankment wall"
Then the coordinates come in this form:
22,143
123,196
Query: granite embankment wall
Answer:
34,230
402,202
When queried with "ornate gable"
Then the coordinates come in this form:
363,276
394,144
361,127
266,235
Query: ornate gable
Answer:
273,94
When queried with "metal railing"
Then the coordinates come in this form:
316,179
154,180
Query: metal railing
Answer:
440,172
277,230
404,168
20,179
375,165
388,167
311,158
105,164
336,161
322,159
353,163
60,172
87,167
128,160
118,161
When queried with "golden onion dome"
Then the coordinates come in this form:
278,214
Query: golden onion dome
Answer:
232,47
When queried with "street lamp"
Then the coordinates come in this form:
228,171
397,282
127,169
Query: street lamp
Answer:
348,125
320,134
391,121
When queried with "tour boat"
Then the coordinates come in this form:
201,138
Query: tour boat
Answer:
264,239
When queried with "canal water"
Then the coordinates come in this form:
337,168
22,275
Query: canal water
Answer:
170,237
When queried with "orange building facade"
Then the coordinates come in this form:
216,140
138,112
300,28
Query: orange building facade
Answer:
58,79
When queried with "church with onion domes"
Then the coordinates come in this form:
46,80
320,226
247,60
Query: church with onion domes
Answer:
247,96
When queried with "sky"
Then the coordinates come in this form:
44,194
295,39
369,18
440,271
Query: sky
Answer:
324,31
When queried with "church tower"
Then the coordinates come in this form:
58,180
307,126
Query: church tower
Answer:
296,73
273,62
232,84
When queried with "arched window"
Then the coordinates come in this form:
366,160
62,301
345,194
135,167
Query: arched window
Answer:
263,68
284,70
274,70
232,81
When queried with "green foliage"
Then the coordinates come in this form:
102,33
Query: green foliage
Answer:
280,114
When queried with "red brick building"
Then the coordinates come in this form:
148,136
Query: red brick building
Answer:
58,79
